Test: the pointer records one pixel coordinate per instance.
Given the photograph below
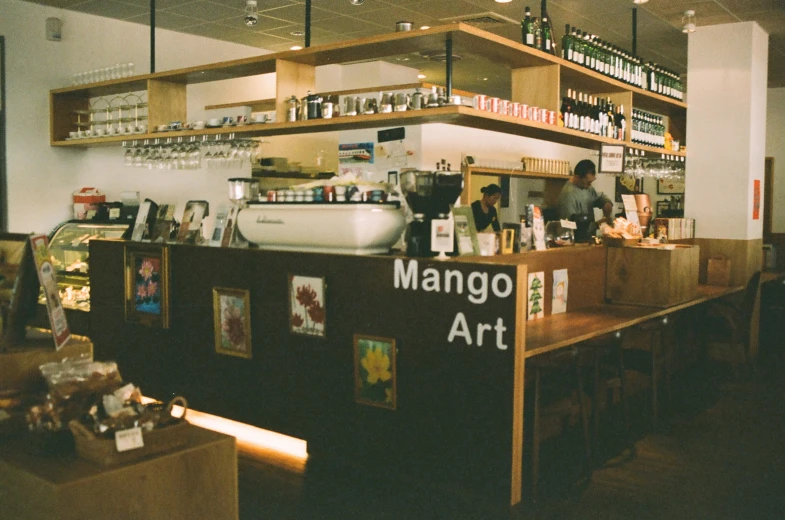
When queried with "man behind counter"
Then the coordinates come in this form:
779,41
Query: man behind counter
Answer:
578,198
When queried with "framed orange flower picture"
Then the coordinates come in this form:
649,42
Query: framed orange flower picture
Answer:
232,321
147,284
374,371
307,313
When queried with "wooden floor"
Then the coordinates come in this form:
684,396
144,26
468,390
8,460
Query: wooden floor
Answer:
719,454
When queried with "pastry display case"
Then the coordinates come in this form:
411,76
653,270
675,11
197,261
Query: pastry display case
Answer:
69,250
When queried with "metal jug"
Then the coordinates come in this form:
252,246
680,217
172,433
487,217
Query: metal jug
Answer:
401,102
292,109
385,102
433,98
417,100
312,106
350,106
370,106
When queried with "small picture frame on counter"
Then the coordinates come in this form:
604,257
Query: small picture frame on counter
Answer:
375,372
232,321
147,284
465,231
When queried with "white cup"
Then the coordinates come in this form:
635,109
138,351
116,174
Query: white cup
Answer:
141,129
73,135
198,125
258,118
98,132
214,122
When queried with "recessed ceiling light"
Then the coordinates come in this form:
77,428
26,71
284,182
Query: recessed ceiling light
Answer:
402,58
425,27
295,47
639,1
485,79
297,33
503,1
420,76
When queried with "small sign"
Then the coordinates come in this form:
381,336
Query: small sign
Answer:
353,153
631,208
756,199
46,276
611,158
568,224
442,235
127,440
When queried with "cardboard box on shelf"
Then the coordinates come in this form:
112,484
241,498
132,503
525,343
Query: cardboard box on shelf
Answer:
86,202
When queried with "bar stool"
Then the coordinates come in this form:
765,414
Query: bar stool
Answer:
560,361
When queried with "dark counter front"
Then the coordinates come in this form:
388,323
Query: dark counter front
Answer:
452,412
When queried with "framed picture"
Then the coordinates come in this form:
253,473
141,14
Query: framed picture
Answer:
147,284
392,177
611,158
627,184
374,371
307,313
466,231
662,206
670,186
232,321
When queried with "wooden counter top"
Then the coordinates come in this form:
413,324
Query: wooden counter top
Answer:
561,330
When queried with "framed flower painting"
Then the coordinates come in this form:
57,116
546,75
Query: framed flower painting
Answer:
307,313
232,321
374,371
147,284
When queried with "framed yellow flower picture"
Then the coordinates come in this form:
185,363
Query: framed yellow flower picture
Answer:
307,313
232,321
374,371
147,284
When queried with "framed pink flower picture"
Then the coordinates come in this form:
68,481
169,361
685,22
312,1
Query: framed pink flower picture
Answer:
374,371
307,313
147,284
232,321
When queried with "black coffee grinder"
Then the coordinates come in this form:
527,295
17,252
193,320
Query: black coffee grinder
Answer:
430,195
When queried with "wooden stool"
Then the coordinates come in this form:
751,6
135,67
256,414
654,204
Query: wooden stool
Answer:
558,361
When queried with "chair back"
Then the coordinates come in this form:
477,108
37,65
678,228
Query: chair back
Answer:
748,304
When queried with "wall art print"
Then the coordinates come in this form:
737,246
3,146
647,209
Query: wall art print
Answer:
147,284
232,321
374,371
307,313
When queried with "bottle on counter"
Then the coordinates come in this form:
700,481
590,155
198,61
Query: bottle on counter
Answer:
527,28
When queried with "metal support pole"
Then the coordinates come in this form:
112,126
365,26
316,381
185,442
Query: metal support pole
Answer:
634,31
448,62
152,36
307,23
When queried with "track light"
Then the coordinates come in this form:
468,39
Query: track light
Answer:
357,2
251,13
688,22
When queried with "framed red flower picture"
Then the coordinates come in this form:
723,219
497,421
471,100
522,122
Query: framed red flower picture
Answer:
232,321
147,284
307,313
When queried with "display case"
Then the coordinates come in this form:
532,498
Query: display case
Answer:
69,249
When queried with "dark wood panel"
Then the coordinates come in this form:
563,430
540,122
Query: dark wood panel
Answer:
454,416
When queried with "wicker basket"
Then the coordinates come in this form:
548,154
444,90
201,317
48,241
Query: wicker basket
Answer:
104,451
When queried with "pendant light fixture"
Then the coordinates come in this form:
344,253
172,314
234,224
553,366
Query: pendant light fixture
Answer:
688,21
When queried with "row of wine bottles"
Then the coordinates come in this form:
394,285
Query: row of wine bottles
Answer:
601,56
593,115
647,129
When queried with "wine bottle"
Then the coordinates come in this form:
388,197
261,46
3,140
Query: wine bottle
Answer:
566,44
547,38
621,123
566,107
537,34
527,28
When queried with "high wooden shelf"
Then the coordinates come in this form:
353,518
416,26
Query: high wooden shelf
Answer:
553,182
538,79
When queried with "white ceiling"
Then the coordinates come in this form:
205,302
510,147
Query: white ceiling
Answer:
659,24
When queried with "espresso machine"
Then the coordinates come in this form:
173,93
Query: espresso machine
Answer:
430,195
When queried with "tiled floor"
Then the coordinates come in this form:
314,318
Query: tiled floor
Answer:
718,454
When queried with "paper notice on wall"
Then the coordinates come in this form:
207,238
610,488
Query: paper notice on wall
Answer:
630,208
536,294
560,286
353,153
756,199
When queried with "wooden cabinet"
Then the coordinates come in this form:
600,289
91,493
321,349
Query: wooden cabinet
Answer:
536,78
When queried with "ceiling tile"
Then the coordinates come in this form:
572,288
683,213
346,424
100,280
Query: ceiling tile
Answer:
264,23
110,9
160,5
209,11
286,32
215,31
165,20
742,8
347,24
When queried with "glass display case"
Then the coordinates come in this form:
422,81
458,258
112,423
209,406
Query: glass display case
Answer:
69,249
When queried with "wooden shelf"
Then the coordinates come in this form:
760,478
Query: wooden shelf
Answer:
658,151
516,173
295,75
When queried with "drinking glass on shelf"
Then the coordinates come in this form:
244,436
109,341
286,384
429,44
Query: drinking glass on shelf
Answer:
128,158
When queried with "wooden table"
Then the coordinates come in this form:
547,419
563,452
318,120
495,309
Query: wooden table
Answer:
562,330
198,480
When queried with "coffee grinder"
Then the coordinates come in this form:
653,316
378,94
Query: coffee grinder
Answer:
430,195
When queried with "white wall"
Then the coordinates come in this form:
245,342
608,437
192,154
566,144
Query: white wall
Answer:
775,147
726,126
